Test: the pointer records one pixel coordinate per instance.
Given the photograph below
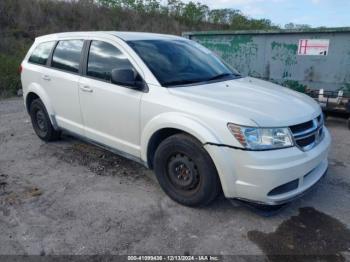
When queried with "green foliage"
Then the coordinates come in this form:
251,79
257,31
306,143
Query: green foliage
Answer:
223,16
21,21
12,51
295,85
9,76
296,26
192,13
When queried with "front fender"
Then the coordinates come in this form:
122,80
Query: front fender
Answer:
181,121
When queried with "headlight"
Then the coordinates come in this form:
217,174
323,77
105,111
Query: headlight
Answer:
255,138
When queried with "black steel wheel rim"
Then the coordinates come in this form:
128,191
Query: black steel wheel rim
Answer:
182,173
40,120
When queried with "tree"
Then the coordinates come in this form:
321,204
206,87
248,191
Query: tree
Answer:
110,3
195,12
296,26
175,7
223,16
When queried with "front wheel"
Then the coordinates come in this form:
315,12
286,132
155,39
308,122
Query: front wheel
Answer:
185,171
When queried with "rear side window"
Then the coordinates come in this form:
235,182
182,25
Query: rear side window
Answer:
103,58
67,55
41,53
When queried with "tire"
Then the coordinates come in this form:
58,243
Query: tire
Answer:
41,122
185,171
349,123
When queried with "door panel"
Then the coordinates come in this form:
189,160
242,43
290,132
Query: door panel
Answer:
111,113
63,91
63,82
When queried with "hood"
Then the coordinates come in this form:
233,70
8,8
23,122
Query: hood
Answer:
265,103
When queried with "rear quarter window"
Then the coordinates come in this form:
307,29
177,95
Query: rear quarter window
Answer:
41,53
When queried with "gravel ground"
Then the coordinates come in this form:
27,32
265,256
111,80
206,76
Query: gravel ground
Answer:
69,197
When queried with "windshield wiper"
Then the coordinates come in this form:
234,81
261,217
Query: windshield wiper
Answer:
220,76
182,82
193,81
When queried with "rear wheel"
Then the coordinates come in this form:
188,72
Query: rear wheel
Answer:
185,171
41,122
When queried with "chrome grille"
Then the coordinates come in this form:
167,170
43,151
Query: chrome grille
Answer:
308,134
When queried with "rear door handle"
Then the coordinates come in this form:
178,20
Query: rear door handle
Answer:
46,78
86,89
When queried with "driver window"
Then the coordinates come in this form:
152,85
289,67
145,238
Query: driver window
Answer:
103,58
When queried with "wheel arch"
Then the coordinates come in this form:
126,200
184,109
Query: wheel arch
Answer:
166,125
29,99
36,92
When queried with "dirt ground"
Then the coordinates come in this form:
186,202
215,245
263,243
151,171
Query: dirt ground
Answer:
68,197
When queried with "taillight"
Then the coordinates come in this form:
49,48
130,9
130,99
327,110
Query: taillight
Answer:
20,69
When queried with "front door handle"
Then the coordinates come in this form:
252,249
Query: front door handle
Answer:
86,89
46,78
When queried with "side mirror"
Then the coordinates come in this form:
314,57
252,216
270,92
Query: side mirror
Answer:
126,77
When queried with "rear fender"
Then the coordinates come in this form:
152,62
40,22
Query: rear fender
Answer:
41,93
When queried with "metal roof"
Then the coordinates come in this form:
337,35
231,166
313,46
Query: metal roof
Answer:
275,31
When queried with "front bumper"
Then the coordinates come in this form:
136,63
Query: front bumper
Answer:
252,175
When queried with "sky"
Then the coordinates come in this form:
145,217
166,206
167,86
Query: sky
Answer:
330,13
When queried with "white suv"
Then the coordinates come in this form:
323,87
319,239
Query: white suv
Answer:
172,105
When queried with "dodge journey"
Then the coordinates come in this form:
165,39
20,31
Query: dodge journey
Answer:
177,108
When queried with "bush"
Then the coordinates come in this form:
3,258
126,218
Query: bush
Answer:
295,85
9,76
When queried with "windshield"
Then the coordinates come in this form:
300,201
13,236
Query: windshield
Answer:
181,62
